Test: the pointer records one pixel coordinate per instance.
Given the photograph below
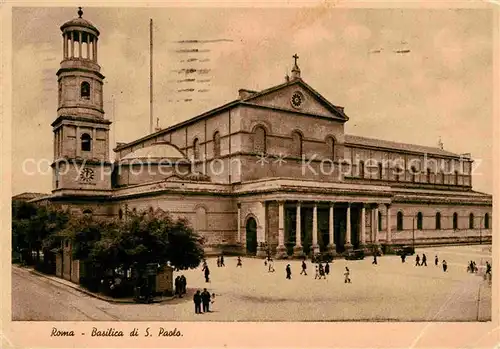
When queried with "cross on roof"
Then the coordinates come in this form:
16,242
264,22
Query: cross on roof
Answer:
80,12
295,56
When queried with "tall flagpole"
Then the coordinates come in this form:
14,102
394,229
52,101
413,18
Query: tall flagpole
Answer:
150,75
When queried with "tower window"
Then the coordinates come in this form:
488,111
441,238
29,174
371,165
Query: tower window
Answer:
297,143
86,142
259,140
196,149
216,144
330,141
399,221
85,90
438,221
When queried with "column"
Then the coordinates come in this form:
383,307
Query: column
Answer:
95,49
375,225
281,249
261,233
77,138
65,46
297,249
315,246
348,227
72,45
389,232
107,145
93,143
363,225
331,242
79,44
239,224
88,46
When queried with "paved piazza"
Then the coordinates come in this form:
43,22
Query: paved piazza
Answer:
389,291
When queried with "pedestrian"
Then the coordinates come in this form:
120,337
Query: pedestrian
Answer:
316,276
177,284
327,268
288,272
183,285
474,267
488,268
205,299
403,258
436,261
347,279
321,271
417,260
374,259
445,266
197,302
239,262
212,300
424,260
271,267
218,261
207,274
222,261
304,267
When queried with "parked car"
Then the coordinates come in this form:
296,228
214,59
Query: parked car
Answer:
406,250
355,255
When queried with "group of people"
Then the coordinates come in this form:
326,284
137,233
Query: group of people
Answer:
203,298
180,285
220,261
270,264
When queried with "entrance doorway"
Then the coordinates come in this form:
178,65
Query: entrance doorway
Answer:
251,236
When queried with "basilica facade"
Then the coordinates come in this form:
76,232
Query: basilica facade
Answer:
272,170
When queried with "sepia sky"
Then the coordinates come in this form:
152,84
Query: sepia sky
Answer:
442,87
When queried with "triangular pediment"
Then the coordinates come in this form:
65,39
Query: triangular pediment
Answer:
297,96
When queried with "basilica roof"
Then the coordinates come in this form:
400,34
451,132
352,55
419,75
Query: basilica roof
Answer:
79,22
379,143
157,151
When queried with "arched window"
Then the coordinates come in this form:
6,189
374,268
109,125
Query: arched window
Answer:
399,221
455,221
380,171
428,175
330,141
438,220
420,221
361,169
259,140
120,214
85,90
471,221
456,177
196,149
399,173
486,221
379,221
86,142
216,144
297,143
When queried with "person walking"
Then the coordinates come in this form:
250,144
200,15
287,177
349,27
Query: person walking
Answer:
374,259
218,261
321,271
417,260
207,274
327,268
445,266
239,262
436,261
270,266
316,275
205,299
288,272
488,268
304,267
183,283
403,258
347,273
424,260
222,261
197,302
177,284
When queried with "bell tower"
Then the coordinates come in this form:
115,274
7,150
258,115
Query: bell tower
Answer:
81,133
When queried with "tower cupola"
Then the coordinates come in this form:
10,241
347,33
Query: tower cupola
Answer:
79,76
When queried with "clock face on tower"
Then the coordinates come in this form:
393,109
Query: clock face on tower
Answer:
297,99
87,175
